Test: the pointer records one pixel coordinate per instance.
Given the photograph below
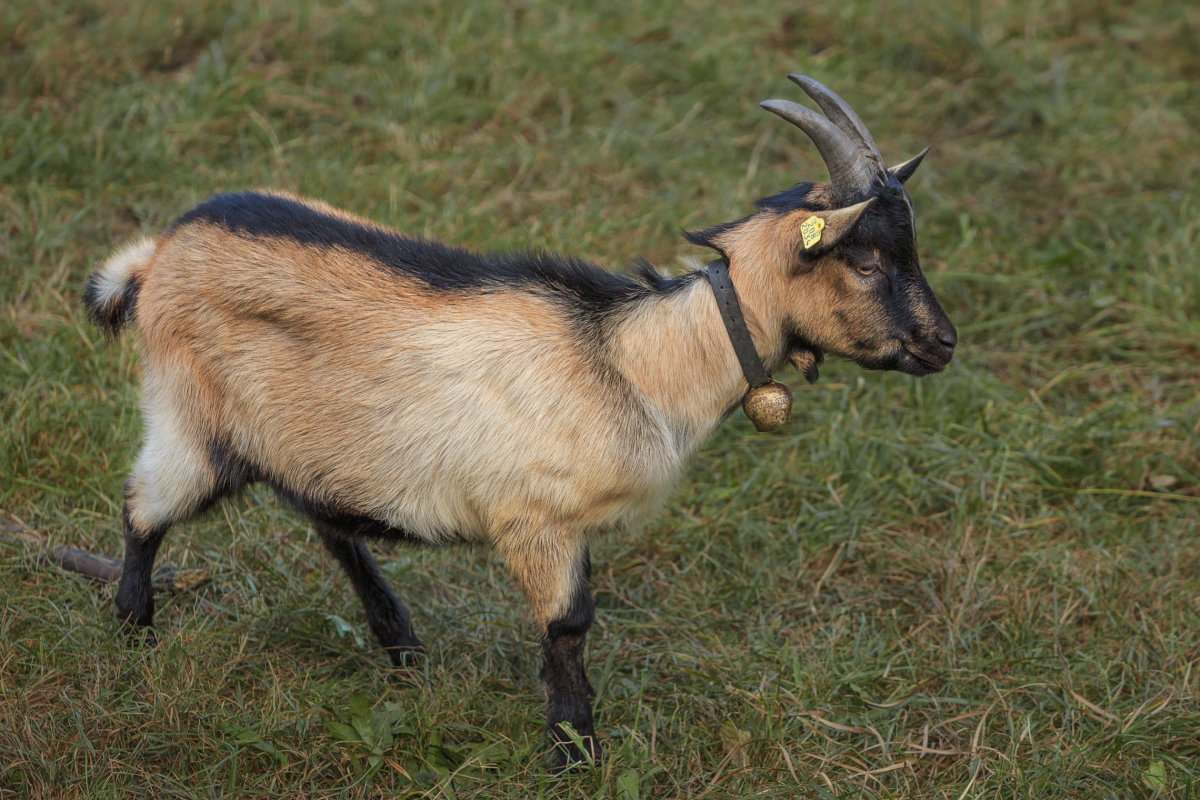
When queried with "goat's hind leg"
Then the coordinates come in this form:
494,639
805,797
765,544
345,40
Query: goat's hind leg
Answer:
135,592
387,617
171,481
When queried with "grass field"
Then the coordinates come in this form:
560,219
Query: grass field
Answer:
984,583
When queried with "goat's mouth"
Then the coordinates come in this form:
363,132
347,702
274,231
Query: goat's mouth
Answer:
923,362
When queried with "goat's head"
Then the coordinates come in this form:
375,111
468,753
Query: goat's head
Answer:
835,264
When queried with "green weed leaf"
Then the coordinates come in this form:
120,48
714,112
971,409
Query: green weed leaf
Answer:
629,785
574,736
342,731
360,707
1155,776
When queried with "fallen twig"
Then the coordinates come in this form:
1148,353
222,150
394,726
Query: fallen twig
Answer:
101,567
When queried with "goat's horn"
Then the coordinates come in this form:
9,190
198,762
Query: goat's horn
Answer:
849,172
841,114
904,171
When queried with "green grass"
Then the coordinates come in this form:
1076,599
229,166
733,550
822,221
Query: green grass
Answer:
981,584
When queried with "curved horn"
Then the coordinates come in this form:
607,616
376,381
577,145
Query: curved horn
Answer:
842,115
849,172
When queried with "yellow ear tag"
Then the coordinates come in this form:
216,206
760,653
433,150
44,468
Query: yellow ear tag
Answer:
811,229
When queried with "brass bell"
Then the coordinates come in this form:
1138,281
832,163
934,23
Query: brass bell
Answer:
768,406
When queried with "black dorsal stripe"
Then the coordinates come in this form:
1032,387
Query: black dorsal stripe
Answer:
583,286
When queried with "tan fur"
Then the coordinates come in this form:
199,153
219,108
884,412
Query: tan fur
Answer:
546,563
448,415
451,415
676,352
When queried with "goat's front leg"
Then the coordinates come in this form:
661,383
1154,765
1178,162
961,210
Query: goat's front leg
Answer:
554,573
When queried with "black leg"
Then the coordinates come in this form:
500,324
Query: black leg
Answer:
567,690
135,593
387,617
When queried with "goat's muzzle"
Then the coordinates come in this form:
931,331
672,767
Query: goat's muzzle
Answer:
931,354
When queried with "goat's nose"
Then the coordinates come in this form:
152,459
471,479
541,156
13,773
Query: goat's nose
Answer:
948,336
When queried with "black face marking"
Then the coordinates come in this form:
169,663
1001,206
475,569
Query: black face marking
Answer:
887,226
582,287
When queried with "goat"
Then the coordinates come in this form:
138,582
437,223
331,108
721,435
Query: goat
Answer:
392,387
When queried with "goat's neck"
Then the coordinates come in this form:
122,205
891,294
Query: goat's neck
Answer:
675,350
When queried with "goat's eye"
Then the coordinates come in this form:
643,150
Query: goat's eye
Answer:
867,267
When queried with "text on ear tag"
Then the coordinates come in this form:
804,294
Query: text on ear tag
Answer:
811,229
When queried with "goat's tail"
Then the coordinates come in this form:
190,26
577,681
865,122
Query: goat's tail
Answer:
112,290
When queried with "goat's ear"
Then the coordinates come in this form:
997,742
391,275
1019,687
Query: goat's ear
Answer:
820,231
904,171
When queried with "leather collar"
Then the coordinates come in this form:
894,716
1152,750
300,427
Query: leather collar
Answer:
735,324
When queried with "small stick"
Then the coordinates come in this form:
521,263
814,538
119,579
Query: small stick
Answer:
168,579
100,567
104,568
